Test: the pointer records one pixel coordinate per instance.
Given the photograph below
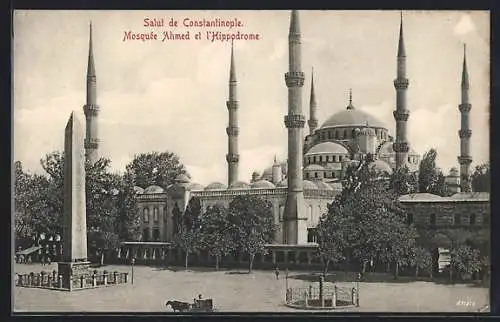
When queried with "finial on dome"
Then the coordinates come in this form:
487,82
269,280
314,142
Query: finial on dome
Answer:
350,106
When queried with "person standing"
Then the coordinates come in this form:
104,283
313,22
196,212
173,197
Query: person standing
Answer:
277,272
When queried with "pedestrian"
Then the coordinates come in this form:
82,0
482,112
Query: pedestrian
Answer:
48,260
277,272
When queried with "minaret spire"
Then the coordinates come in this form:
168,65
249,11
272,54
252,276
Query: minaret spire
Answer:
232,129
401,114
313,120
350,106
295,231
91,109
465,159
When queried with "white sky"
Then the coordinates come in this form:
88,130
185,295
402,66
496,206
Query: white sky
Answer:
171,95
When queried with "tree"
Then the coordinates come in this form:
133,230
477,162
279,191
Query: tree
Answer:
252,225
403,182
481,177
128,217
188,240
216,233
155,168
422,261
332,238
465,260
192,215
430,178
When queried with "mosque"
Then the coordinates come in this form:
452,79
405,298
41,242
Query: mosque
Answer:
300,188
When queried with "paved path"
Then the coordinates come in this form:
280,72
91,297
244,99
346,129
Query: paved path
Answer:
259,291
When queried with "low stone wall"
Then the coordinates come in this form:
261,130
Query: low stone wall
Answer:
51,280
334,297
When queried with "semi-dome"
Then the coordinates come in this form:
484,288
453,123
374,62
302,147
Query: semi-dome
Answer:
262,184
309,185
327,148
239,185
138,190
336,185
182,178
381,166
350,118
153,189
314,167
322,185
216,186
195,187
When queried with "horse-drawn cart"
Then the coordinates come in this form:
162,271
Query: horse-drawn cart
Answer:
197,306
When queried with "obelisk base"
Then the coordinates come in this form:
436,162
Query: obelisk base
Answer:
69,270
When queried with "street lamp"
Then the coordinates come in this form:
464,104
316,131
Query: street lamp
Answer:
132,262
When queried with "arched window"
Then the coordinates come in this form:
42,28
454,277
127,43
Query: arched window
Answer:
145,216
282,211
307,175
409,159
345,134
457,219
310,215
315,174
336,135
432,219
409,219
333,175
165,214
155,214
329,135
472,219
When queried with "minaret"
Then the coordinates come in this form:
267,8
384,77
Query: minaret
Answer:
465,159
232,156
313,120
295,220
401,113
91,109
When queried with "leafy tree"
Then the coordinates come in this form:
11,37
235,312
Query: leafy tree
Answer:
481,178
403,182
465,260
192,215
128,217
253,225
332,239
188,240
422,261
155,168
216,233
431,178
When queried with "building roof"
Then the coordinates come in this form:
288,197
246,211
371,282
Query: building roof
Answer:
262,184
352,117
182,178
461,196
216,186
309,185
421,196
471,196
327,148
153,189
138,190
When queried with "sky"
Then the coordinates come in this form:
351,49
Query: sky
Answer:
170,95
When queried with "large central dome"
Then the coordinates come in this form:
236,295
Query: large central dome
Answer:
352,117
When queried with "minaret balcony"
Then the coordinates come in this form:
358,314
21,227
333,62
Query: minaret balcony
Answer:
295,121
294,79
464,108
294,38
232,158
400,147
401,115
232,130
401,83
91,143
91,109
464,159
465,134
313,123
232,105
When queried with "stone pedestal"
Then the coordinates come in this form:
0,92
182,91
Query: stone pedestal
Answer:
71,270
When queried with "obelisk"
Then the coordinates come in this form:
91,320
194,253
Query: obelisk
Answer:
74,258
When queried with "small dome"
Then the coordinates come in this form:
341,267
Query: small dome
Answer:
283,183
368,131
239,185
153,189
138,190
314,167
182,178
195,187
309,185
453,172
322,185
216,186
381,167
262,184
327,148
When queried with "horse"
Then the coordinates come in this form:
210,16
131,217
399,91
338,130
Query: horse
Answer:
178,306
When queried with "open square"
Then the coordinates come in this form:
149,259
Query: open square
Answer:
236,291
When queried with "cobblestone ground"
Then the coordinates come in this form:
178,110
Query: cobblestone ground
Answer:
236,292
